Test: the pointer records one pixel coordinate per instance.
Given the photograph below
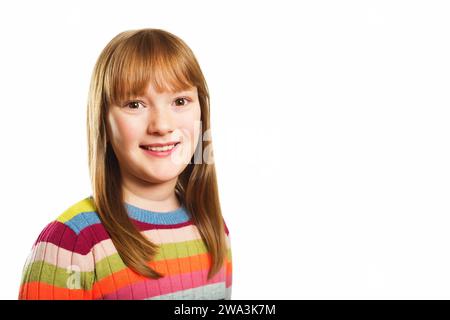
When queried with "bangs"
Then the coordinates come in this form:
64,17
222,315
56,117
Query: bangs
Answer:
143,60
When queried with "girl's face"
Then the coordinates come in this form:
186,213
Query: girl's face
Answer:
155,118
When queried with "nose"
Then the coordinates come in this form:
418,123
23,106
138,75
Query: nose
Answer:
161,122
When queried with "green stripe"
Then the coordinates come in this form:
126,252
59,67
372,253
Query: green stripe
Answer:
109,265
48,273
114,263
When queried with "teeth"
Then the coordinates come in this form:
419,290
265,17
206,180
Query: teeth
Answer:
165,148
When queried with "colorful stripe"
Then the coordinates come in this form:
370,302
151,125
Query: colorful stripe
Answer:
74,258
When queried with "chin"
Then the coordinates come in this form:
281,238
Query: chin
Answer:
159,177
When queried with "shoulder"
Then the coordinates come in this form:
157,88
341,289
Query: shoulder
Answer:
73,228
227,235
61,258
79,215
227,231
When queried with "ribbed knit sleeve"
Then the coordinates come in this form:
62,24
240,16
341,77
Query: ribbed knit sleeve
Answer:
60,266
229,266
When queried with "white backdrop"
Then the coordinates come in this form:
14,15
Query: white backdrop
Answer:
330,123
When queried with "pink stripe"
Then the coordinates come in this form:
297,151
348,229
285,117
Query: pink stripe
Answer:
63,236
59,257
152,288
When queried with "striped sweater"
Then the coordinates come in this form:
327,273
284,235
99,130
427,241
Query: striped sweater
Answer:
74,258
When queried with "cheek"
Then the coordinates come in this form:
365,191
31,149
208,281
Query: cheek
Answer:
191,126
123,131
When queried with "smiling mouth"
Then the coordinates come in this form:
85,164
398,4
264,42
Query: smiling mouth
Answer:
160,149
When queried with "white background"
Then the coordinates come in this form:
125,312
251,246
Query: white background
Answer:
330,123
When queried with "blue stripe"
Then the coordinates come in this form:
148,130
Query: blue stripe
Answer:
85,219
179,215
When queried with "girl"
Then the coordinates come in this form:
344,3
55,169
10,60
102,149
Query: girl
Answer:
153,227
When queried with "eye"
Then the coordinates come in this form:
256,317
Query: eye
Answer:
182,99
133,104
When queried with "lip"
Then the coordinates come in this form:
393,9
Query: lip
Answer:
159,144
161,154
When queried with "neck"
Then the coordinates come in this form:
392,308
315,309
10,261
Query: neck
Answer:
150,196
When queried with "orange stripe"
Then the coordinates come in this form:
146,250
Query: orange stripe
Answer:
170,267
229,267
44,291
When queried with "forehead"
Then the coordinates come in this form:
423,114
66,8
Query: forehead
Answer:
155,85
152,91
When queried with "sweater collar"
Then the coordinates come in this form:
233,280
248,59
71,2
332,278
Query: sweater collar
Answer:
179,215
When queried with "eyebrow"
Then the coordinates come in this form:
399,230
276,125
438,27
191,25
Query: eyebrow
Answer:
184,91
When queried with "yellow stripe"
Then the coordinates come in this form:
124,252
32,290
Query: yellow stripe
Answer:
85,205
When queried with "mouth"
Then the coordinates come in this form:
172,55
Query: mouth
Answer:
160,147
